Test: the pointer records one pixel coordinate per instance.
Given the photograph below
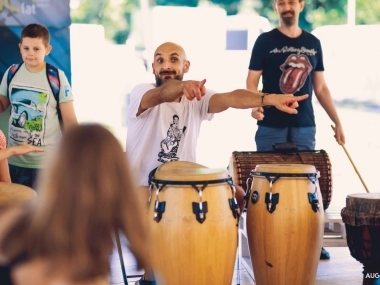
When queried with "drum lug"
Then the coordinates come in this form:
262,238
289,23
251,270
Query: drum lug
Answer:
159,208
271,200
313,200
200,210
255,197
234,207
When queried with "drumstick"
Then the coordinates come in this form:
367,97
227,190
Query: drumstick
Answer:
349,157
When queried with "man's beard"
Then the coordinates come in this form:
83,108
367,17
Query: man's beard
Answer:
160,81
288,21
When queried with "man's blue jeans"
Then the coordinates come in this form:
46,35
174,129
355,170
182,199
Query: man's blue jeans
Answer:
303,137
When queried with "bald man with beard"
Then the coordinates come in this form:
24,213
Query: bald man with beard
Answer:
153,106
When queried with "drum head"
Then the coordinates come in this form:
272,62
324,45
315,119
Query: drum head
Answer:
191,174
372,196
179,164
365,203
12,192
285,168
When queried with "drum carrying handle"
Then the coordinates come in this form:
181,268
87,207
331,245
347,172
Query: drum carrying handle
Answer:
200,209
159,207
313,197
234,206
271,199
247,193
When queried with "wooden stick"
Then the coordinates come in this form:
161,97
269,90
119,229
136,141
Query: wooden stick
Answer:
356,170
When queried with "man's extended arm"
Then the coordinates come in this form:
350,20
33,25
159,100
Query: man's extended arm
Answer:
171,91
252,82
245,99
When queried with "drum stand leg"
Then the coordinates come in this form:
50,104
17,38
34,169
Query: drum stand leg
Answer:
117,237
238,266
238,261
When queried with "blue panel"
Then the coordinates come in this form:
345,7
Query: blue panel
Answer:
51,13
237,40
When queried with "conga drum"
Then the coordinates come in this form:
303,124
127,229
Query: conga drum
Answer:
362,220
12,192
193,225
242,162
285,224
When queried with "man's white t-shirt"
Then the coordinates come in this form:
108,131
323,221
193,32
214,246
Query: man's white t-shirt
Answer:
166,132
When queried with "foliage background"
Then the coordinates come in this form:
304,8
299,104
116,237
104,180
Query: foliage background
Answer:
116,15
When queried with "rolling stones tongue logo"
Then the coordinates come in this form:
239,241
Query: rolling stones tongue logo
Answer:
295,70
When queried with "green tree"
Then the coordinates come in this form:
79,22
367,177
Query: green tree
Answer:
231,6
90,12
367,12
188,3
116,19
125,22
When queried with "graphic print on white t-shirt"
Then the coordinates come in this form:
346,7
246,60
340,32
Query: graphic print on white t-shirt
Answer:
27,116
169,145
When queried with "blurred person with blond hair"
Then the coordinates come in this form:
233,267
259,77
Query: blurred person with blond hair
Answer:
85,195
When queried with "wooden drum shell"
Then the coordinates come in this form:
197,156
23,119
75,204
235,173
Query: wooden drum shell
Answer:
185,251
285,245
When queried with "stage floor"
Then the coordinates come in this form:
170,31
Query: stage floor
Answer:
341,269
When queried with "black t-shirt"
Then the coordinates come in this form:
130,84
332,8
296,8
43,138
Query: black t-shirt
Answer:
287,65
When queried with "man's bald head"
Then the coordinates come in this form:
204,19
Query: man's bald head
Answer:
171,48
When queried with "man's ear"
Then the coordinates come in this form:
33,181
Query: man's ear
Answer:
274,6
302,5
186,66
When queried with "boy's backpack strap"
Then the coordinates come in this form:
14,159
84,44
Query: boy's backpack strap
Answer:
11,73
52,75
53,78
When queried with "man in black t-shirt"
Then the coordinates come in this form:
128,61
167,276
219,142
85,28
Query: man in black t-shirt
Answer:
289,60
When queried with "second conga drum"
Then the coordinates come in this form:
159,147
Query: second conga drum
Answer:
192,226
285,224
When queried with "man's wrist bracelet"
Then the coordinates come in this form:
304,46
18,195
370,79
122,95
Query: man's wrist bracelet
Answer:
262,98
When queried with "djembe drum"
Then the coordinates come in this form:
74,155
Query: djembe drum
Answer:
242,162
193,225
284,224
362,220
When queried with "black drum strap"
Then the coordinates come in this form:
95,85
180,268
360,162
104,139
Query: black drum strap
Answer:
273,199
199,208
